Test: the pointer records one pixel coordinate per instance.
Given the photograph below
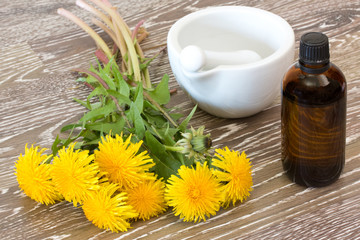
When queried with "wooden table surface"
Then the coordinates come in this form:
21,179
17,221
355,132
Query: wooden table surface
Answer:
38,49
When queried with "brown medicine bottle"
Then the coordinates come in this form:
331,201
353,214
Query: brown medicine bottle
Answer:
313,115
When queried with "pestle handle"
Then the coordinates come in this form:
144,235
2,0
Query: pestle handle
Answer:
193,58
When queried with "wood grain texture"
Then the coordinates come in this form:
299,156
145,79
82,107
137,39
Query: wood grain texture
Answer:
38,50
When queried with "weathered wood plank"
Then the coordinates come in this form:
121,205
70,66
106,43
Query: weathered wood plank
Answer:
38,50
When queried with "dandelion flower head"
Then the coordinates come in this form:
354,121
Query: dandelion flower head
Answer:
195,144
148,198
33,176
119,159
234,170
109,210
74,174
194,194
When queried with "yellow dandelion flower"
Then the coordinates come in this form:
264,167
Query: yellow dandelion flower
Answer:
74,174
234,170
148,198
107,210
195,194
121,163
33,176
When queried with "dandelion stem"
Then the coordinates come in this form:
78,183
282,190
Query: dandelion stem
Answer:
121,28
147,82
105,28
89,86
87,29
48,159
101,56
136,29
118,39
173,148
101,81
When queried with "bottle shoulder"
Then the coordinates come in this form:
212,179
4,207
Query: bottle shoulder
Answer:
333,71
314,89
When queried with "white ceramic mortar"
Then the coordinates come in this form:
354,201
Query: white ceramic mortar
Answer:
233,91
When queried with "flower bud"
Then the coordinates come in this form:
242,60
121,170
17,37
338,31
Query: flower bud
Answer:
195,144
201,143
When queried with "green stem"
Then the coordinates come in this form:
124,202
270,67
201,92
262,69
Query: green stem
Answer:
105,28
122,28
176,149
173,148
87,29
147,81
118,39
48,159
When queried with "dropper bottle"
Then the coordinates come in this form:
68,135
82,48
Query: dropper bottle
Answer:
313,115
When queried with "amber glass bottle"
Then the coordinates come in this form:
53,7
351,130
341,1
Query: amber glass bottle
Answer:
313,115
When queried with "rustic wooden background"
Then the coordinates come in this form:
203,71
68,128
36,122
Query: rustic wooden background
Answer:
38,49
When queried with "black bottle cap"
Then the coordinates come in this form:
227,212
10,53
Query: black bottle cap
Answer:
314,49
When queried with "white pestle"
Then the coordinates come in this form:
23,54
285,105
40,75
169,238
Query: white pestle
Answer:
193,58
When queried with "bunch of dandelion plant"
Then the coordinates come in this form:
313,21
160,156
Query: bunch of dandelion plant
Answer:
130,157
123,100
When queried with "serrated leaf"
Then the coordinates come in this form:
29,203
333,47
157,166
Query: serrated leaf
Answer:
81,79
54,146
91,80
137,121
105,75
139,98
70,127
92,68
161,94
89,135
151,129
121,98
99,112
81,102
155,120
98,91
168,133
92,142
115,128
184,123
117,76
124,88
176,116
146,62
78,145
148,105
166,165
94,105
121,85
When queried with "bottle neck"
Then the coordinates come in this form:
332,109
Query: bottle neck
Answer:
314,68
